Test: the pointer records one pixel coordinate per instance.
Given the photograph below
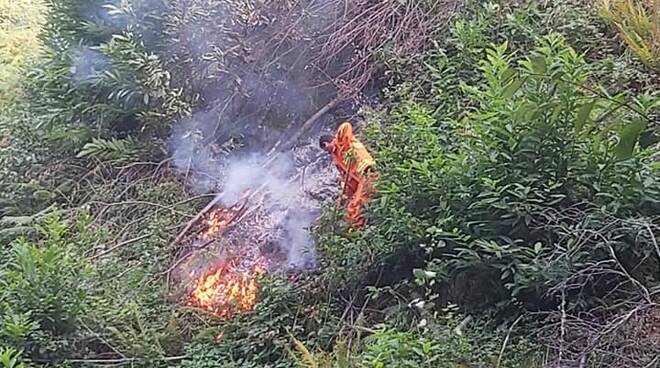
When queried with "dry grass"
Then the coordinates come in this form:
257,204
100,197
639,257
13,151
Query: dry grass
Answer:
638,23
20,24
368,28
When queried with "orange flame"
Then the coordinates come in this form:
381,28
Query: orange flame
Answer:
216,222
226,290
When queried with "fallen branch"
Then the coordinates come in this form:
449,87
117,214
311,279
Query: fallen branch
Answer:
119,245
123,360
129,203
361,328
182,259
506,341
231,222
306,125
194,220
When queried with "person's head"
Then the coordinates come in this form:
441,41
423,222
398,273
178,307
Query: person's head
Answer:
325,141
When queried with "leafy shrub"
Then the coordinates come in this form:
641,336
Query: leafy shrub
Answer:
537,142
638,23
437,75
44,292
340,357
110,149
398,349
20,24
10,358
97,78
262,337
444,345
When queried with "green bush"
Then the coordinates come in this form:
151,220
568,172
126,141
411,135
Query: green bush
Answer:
399,349
10,358
446,345
97,78
263,336
537,142
44,292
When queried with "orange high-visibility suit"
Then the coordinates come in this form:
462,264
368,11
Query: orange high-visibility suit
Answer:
355,166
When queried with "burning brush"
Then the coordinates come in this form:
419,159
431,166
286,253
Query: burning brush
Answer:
227,288
220,218
217,221
230,286
265,231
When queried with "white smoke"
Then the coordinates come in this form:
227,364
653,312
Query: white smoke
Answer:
250,173
248,105
88,66
286,188
301,253
250,99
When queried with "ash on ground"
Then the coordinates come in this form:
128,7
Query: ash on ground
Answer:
275,226
279,229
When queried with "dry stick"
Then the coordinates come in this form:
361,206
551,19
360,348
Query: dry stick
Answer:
361,328
506,341
194,220
653,361
230,223
655,243
306,125
129,203
119,245
360,315
343,316
103,340
122,360
615,325
563,324
644,291
208,208
184,258
459,329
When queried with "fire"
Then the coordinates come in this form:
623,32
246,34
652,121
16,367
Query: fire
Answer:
226,289
217,221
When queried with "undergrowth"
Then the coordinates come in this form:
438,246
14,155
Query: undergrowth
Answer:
515,225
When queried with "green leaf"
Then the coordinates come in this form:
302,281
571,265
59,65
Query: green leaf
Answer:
419,274
513,87
583,114
508,74
628,138
538,64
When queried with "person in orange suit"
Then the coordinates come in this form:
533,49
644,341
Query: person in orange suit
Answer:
355,166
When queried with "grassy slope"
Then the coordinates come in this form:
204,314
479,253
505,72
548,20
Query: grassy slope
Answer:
20,24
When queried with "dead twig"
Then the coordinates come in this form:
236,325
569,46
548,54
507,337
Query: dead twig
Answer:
303,128
194,220
130,203
230,223
119,245
506,341
655,242
121,360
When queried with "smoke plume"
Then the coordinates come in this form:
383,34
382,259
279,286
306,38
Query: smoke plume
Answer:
253,66
87,66
258,86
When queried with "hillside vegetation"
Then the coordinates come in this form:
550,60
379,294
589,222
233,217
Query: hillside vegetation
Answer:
517,215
